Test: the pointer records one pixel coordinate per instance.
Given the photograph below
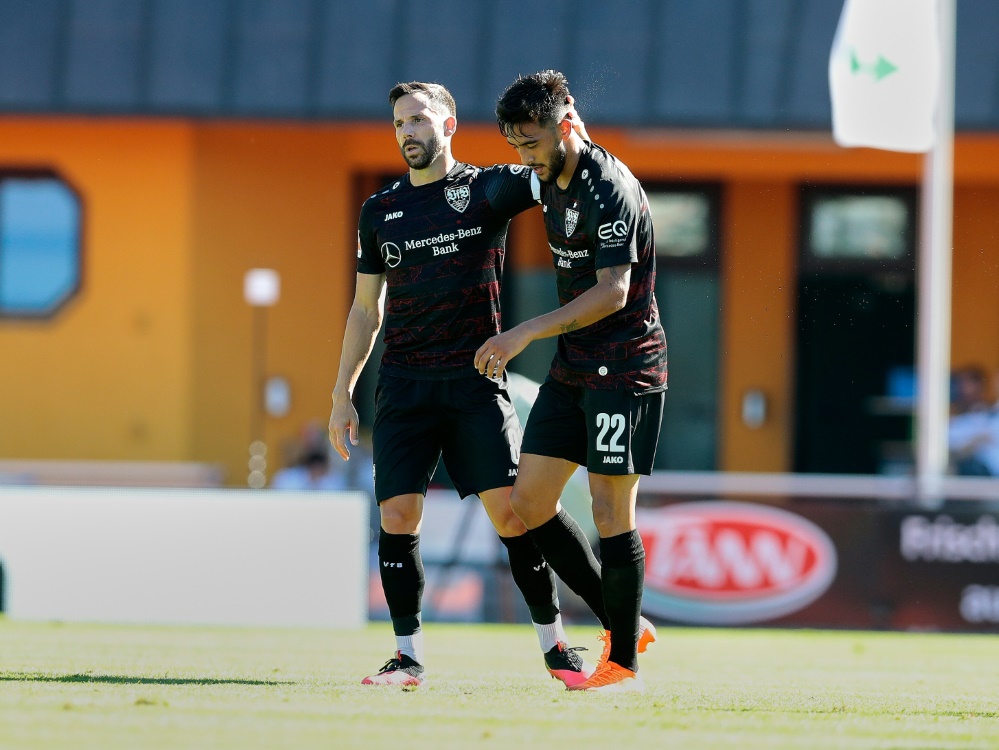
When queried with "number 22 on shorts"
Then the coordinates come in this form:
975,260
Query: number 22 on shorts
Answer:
611,428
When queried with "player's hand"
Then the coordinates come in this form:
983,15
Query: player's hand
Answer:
575,119
343,422
493,356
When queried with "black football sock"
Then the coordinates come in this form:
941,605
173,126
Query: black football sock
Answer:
533,577
403,579
622,559
565,547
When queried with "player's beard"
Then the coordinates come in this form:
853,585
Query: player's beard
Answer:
554,165
430,151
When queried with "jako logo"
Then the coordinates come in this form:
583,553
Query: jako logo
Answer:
727,563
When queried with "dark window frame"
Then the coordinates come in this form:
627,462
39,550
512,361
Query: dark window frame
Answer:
808,197
712,191
44,173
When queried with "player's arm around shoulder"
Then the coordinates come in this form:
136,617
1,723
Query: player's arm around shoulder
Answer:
363,322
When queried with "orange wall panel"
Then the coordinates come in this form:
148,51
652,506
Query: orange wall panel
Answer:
975,303
109,376
267,196
758,277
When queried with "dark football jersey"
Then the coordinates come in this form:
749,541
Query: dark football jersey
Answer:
602,219
441,247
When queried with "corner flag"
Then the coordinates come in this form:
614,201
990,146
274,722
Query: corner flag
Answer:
884,74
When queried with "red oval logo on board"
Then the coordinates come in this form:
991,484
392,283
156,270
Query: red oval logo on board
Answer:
728,563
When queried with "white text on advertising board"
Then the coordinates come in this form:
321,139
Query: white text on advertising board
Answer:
730,563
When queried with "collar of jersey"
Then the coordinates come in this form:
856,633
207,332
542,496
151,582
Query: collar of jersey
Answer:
458,168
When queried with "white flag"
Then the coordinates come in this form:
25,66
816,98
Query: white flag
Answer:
884,74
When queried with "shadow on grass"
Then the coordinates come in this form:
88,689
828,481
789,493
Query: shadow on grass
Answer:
122,680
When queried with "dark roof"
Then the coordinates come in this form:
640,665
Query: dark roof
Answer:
662,63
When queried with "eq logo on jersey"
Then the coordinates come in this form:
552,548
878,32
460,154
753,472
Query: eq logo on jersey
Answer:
608,230
571,218
728,563
458,196
391,254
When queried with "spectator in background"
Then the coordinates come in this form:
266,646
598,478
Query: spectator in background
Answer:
359,469
973,434
312,472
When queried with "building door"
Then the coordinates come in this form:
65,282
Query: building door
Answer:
856,331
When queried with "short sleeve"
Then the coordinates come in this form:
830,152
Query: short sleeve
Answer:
369,258
511,188
616,231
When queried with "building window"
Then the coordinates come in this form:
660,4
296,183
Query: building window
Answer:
40,222
683,222
858,228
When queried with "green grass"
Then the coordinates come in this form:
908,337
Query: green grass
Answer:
111,687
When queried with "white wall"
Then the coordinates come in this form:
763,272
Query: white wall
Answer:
228,557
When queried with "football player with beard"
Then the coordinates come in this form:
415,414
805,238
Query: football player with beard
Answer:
601,405
430,255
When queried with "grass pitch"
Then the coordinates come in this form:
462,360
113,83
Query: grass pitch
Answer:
118,687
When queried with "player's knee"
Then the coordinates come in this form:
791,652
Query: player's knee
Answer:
533,509
399,519
521,506
395,525
511,526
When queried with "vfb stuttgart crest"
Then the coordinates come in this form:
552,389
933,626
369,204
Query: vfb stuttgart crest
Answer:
458,197
571,217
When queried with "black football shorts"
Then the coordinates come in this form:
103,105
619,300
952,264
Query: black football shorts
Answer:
469,421
608,432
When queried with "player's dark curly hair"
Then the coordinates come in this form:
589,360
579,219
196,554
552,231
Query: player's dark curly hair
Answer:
439,98
542,98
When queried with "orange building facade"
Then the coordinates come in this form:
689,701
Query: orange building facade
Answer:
152,359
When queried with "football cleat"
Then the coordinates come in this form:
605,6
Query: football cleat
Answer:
646,637
399,670
611,678
565,664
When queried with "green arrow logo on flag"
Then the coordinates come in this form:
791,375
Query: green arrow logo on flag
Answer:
877,70
884,75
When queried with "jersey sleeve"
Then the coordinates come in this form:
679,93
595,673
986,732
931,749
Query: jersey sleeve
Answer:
616,231
511,188
369,257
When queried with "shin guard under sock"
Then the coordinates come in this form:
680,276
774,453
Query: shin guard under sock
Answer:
533,577
622,559
403,579
565,547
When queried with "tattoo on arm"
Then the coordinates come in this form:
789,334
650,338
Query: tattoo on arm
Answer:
569,327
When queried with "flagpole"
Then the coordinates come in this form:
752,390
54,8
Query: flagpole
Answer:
934,279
